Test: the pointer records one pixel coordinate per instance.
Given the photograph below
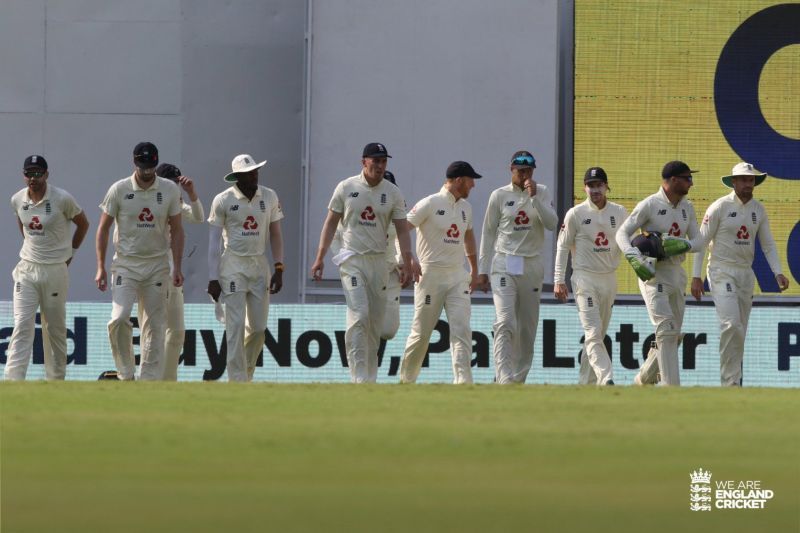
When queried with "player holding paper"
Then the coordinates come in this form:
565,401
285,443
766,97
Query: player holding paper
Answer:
589,233
662,283
732,224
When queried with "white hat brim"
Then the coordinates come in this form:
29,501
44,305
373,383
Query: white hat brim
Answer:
728,180
232,175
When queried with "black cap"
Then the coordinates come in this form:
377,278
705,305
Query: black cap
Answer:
169,171
458,169
523,159
595,174
676,168
388,176
375,150
34,161
145,155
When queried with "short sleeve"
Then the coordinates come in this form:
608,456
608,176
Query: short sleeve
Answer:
70,207
276,211
337,200
419,213
217,215
109,205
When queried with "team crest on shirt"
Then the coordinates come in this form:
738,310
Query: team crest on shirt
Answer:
463,216
262,206
754,217
159,198
47,209
613,221
383,198
683,212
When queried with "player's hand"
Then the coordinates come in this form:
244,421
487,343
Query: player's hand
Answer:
187,184
214,289
177,278
675,246
474,283
530,186
483,282
410,273
101,279
643,266
561,292
783,282
316,269
697,289
276,282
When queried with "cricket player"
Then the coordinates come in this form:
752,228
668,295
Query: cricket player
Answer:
670,214
512,242
391,318
146,212
176,329
444,235
365,204
731,224
245,218
44,214
589,234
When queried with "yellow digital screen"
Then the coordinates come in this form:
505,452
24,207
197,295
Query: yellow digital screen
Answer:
709,83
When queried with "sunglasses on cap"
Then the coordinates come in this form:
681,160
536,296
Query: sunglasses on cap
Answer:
34,173
687,178
524,160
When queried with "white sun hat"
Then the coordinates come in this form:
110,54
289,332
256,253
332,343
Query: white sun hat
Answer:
243,163
743,169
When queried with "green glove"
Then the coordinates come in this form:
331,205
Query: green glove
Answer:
675,246
643,266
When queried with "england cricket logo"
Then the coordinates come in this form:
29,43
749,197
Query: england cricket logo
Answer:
700,490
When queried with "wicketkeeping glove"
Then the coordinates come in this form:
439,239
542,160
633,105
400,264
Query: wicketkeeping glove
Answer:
675,246
643,266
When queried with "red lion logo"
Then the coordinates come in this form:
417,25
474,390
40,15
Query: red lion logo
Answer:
675,231
35,224
368,213
601,239
522,218
250,223
743,233
453,232
146,215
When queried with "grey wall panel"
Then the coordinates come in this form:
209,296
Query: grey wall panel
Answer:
114,67
444,80
103,10
22,56
23,135
243,93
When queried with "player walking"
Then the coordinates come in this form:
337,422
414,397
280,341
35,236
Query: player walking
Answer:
444,235
589,233
365,204
44,213
511,245
670,214
146,211
731,224
244,219
176,328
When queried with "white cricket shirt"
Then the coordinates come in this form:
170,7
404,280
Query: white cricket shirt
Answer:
46,225
441,222
244,222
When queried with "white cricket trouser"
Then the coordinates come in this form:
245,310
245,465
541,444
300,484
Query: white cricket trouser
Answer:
176,331
148,285
732,291
439,288
516,305
245,293
594,297
665,301
42,286
364,280
391,317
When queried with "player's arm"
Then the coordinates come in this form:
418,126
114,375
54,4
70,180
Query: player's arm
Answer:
276,246
21,231
644,269
176,244
214,289
101,244
81,228
544,209
325,238
771,252
410,271
707,231
491,223
566,241
470,248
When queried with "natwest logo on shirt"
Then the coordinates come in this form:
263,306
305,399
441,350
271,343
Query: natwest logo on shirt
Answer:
601,239
522,218
452,235
250,223
674,230
35,224
367,216
146,215
743,236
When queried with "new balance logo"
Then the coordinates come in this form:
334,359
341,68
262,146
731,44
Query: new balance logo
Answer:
586,222
353,195
510,203
732,214
235,207
129,196
440,212
662,211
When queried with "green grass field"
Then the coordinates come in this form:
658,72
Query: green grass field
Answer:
261,457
